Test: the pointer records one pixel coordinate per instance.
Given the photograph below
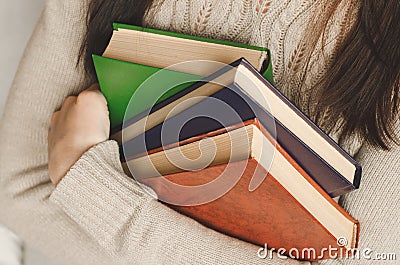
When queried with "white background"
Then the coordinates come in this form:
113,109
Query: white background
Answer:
17,20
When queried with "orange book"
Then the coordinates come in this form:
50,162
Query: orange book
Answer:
264,200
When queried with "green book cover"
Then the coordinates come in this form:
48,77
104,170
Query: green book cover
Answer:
120,80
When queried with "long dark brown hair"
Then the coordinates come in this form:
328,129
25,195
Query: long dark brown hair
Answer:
361,86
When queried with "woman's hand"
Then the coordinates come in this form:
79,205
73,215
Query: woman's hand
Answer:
81,123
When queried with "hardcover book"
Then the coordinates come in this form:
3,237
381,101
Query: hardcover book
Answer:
159,48
283,211
330,166
135,53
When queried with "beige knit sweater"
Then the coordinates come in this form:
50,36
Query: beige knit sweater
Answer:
97,215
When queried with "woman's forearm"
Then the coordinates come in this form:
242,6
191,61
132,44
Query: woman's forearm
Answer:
46,75
133,227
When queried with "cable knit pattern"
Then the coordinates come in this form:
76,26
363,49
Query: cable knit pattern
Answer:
278,25
97,215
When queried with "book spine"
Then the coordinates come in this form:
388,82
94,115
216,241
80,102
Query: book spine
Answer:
301,115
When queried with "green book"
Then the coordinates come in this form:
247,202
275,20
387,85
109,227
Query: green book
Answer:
135,53
119,80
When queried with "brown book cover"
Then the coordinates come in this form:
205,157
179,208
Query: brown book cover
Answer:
267,215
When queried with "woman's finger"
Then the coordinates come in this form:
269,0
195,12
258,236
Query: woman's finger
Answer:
69,101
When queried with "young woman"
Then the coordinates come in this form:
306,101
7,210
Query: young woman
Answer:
337,60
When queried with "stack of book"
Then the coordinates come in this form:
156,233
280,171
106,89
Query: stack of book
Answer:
220,144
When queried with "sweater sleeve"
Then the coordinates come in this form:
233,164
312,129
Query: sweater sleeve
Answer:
133,227
46,75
